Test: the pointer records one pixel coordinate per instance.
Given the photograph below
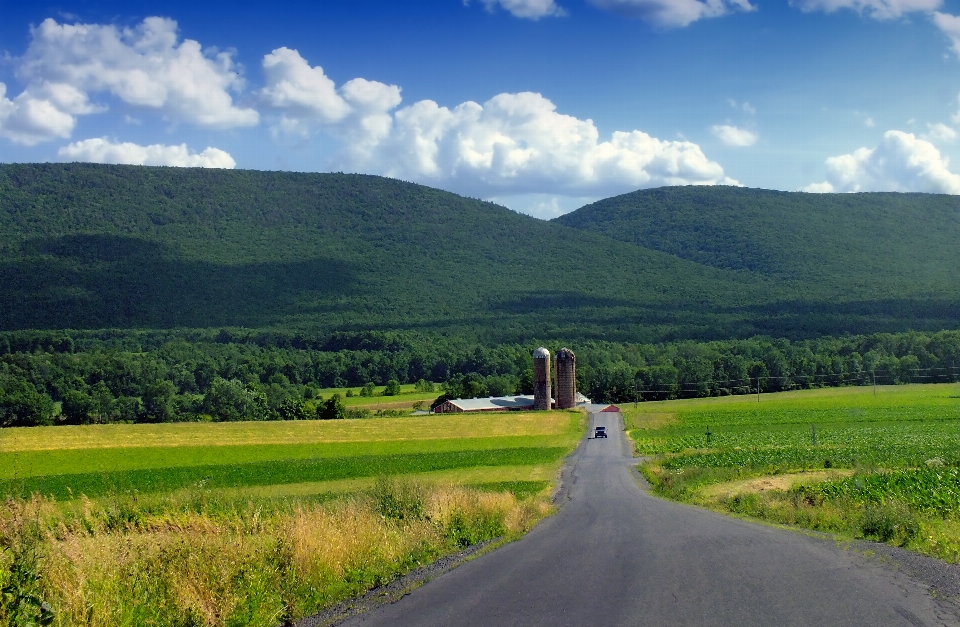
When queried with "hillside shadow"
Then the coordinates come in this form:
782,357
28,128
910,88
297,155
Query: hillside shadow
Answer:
806,319
98,281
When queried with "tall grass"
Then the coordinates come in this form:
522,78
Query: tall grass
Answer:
198,560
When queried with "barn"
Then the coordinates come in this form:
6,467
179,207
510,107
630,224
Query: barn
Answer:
495,403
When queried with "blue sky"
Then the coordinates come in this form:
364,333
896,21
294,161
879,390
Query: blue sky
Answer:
542,105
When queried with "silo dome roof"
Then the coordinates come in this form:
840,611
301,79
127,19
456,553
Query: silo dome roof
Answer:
541,353
565,353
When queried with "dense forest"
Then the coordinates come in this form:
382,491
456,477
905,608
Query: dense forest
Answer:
56,378
157,294
85,246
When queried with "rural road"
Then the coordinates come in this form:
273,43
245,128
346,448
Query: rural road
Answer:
615,555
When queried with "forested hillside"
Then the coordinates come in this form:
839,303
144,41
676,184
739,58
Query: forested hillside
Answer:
860,246
87,246
92,246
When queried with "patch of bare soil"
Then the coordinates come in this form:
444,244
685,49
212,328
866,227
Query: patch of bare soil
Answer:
772,482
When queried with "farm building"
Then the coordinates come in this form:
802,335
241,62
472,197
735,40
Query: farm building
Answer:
495,403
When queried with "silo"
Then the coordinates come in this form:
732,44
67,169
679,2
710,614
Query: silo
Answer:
566,379
541,378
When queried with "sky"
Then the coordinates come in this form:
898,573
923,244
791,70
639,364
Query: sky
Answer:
539,105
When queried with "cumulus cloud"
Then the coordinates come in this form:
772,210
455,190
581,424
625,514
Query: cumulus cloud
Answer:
103,150
305,98
733,136
511,144
672,13
530,9
950,25
940,133
146,66
877,9
42,112
901,163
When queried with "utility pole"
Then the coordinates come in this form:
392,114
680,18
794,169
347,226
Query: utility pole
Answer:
758,389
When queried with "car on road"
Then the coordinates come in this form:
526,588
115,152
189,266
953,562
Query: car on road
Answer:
600,432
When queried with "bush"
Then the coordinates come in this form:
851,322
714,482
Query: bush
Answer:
889,522
332,409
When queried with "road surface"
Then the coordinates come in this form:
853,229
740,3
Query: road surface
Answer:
615,555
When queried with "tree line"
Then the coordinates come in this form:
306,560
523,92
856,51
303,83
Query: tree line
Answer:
67,377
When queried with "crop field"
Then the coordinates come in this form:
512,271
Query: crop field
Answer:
103,459
256,523
881,464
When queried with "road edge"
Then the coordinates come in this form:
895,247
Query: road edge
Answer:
404,585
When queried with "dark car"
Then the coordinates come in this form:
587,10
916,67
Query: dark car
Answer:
600,432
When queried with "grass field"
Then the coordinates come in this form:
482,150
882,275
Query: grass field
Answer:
877,464
101,459
256,523
405,400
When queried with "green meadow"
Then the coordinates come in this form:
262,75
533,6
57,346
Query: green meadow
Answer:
878,463
98,460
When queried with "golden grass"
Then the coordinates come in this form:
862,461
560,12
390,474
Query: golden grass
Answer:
650,420
250,567
769,483
292,432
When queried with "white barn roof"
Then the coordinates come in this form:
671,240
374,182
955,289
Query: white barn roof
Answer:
493,402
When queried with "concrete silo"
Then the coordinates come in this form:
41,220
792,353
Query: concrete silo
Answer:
566,379
541,378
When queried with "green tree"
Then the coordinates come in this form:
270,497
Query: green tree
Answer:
425,386
392,388
230,400
23,406
76,408
158,403
332,409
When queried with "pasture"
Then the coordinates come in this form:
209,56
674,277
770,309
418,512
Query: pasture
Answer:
256,523
96,460
878,464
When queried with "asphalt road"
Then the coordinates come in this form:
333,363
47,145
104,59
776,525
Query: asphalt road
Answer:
615,555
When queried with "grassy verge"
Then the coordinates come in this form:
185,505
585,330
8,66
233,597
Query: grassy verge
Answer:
882,467
204,561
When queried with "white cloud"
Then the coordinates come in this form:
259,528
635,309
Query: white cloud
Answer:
901,163
144,66
530,9
868,122
306,98
512,144
41,113
733,136
745,106
103,150
543,206
940,133
877,9
672,13
950,25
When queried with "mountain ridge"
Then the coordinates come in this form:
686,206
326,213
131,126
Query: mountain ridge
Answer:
88,246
